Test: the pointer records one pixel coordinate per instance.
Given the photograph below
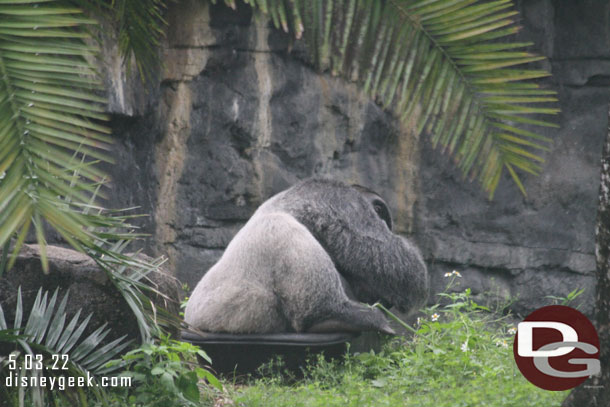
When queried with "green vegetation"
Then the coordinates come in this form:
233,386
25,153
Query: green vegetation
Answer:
165,374
41,340
47,343
461,356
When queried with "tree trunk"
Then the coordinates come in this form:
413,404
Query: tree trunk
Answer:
595,392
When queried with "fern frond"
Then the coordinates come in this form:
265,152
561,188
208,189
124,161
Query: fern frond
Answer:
438,64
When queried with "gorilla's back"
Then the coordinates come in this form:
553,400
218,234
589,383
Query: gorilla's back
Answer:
273,253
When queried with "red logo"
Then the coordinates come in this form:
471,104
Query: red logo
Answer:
556,348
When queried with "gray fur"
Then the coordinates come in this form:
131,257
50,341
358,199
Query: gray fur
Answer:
293,265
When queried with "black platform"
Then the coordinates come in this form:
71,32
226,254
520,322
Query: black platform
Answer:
243,354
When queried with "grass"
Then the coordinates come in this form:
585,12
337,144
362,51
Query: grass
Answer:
461,356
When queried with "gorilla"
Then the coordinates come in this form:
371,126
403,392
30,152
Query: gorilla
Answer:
305,262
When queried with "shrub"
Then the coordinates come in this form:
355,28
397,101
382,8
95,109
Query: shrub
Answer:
165,374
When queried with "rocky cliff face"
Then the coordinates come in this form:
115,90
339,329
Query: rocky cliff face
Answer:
543,244
238,115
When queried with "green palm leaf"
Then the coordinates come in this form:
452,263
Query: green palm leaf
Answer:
440,66
46,334
46,101
52,135
140,26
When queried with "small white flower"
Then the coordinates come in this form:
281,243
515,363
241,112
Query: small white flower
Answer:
456,273
512,331
448,275
503,344
464,346
419,321
434,317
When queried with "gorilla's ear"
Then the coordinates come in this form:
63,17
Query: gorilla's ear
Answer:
379,205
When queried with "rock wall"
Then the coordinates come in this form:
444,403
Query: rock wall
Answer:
238,115
89,289
543,244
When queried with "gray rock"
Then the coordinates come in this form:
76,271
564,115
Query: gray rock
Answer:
582,30
89,289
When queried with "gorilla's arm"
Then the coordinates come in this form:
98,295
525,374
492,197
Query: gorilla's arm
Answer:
392,271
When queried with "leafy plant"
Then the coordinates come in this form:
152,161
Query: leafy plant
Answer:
161,374
42,340
165,374
441,66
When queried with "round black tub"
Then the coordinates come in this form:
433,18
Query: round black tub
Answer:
242,354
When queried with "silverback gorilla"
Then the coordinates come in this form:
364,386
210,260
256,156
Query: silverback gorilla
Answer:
304,262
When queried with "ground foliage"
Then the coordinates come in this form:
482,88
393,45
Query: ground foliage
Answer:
461,356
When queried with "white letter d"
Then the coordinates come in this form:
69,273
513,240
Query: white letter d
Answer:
526,343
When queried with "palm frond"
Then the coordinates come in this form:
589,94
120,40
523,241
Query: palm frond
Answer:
140,26
45,333
47,96
440,66
51,137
